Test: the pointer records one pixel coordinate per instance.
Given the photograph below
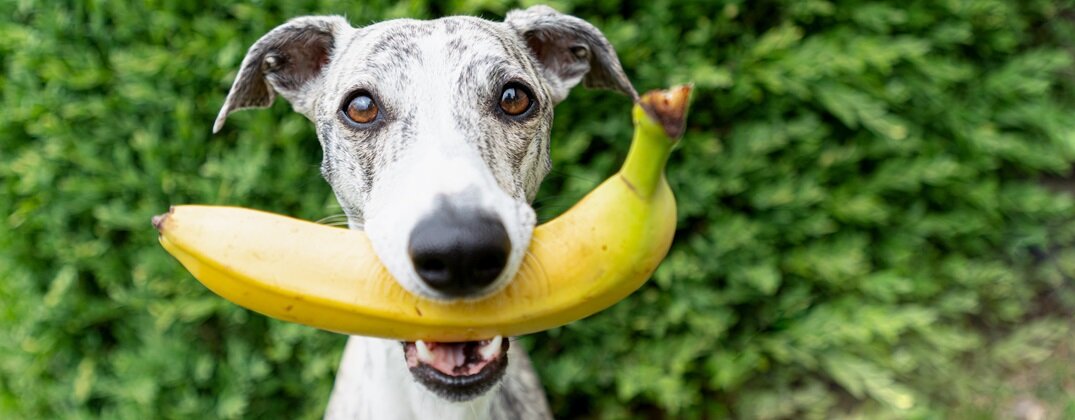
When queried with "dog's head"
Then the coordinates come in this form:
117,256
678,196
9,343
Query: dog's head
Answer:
435,138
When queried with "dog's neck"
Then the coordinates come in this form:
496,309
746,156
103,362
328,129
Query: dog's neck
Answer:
373,383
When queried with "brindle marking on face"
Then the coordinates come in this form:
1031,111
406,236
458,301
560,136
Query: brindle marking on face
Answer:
395,56
537,47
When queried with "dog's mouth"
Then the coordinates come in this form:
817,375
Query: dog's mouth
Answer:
457,371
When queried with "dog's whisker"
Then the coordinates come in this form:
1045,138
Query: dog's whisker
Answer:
527,268
557,197
537,261
565,174
540,266
556,205
330,218
535,239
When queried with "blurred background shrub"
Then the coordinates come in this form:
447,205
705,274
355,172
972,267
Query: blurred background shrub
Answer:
869,218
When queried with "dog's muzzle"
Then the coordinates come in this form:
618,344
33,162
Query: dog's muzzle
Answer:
458,371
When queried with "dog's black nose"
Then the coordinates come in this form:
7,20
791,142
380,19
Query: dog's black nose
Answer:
457,252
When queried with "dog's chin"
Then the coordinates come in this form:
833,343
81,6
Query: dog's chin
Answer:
458,372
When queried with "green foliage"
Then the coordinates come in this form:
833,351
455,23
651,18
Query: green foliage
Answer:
862,223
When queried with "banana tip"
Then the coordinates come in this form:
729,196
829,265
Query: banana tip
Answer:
669,108
158,220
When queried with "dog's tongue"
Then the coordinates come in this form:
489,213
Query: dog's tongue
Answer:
447,358
455,359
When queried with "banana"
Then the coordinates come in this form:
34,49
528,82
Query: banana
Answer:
592,256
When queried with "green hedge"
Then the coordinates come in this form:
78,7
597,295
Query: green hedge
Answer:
862,221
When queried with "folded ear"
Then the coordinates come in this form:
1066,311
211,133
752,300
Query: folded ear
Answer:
288,60
569,50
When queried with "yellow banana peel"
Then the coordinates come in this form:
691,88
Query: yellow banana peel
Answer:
587,259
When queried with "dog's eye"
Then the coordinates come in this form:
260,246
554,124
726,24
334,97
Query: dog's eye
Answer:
514,99
361,109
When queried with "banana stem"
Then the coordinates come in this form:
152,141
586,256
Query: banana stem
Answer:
659,118
644,167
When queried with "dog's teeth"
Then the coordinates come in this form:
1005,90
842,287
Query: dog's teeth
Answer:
424,355
492,349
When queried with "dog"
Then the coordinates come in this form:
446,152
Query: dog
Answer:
435,138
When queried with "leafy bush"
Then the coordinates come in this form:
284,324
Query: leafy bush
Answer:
862,217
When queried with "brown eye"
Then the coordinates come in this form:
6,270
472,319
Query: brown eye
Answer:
514,100
361,109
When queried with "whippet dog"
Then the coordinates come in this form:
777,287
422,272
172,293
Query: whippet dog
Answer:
435,137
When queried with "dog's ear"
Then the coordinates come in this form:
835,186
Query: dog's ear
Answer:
288,60
569,50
